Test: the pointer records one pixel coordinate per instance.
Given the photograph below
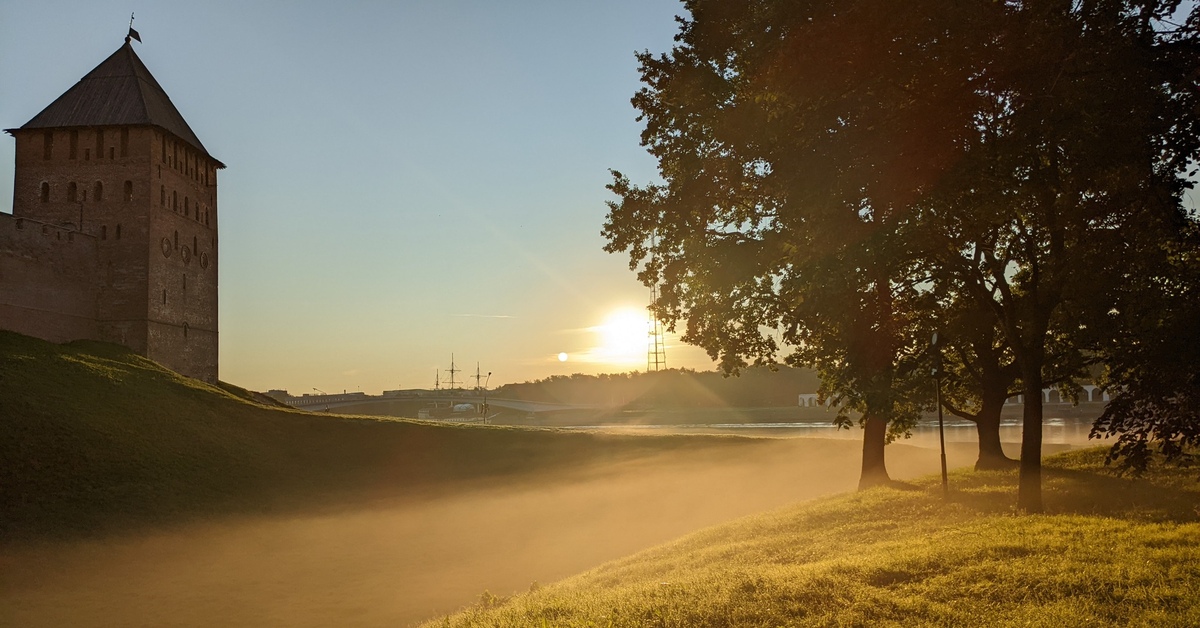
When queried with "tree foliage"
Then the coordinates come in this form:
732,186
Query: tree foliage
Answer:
1151,352
1079,164
838,177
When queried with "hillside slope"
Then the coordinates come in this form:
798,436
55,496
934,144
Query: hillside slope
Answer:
95,438
1111,551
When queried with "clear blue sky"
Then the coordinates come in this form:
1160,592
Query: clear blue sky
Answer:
405,179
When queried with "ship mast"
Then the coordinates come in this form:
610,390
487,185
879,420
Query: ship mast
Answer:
453,382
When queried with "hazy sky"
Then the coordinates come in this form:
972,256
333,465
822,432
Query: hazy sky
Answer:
405,180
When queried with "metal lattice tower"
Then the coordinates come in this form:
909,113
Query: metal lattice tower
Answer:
656,346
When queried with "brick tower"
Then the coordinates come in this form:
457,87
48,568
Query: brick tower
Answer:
110,176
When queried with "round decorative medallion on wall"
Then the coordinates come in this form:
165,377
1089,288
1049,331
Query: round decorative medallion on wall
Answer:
185,254
204,260
166,247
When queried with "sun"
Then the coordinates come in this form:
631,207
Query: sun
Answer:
624,336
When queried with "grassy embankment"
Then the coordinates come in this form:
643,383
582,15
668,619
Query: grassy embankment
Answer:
1110,551
96,440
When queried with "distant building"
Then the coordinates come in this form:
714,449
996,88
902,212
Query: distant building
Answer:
113,234
1088,394
316,401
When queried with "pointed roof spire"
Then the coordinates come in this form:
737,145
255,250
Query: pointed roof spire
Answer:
118,92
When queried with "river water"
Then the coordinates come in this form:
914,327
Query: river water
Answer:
1070,432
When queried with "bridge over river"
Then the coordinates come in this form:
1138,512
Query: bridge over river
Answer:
364,401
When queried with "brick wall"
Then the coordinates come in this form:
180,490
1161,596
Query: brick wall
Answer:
48,286
147,202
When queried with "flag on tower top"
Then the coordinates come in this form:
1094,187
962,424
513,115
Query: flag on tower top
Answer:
132,33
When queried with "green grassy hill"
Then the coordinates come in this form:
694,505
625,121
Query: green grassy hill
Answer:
1112,551
95,439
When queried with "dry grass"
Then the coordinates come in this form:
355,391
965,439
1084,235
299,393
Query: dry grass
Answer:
1111,551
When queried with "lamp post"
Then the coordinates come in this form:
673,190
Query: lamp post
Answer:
937,382
484,408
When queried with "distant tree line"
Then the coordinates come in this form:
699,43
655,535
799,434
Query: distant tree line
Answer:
673,388
841,179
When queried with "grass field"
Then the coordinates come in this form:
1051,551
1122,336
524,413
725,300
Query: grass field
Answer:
1110,551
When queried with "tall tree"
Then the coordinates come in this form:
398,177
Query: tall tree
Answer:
793,140
1089,131
981,374
982,371
840,170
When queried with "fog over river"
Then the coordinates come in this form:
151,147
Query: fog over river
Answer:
397,563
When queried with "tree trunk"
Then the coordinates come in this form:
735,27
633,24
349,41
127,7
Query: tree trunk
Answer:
987,426
874,471
1029,491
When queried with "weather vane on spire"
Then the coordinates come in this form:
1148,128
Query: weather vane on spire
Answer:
132,33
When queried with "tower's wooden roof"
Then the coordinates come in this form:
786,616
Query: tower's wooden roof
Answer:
118,92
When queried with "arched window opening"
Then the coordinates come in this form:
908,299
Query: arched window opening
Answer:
162,195
164,296
98,192
185,330
128,191
47,144
118,231
195,244
174,201
186,207
45,192
176,240
99,143
74,144
164,149
103,232
72,192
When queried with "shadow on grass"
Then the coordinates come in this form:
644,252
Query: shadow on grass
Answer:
1102,493
1078,484
901,485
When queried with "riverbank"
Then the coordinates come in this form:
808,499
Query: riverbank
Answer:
1109,551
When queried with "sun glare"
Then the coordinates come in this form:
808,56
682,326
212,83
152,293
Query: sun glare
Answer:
623,337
